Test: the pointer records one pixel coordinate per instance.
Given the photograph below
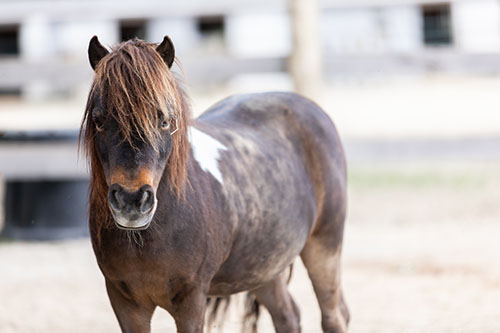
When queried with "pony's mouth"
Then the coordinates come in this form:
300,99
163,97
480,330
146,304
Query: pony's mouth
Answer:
133,221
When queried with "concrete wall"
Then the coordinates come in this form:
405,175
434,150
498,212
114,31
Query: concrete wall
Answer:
45,44
35,38
182,31
352,31
477,26
258,34
72,37
402,29
372,30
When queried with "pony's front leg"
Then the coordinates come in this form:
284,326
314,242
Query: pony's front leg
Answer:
132,316
188,307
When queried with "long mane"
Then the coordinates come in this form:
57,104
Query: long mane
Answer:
134,84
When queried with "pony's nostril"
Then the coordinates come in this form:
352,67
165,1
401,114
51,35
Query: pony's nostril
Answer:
114,198
117,198
144,197
131,203
147,201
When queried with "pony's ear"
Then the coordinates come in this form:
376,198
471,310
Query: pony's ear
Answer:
96,52
167,51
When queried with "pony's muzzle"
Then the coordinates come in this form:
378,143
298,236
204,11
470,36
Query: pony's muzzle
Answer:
132,209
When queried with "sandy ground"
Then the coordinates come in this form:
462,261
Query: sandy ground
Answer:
421,254
421,250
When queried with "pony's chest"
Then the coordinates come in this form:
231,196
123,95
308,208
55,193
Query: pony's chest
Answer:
146,280
136,275
126,265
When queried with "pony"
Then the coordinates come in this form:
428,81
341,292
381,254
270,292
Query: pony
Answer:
183,210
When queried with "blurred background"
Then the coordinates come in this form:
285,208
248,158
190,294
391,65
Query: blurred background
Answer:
412,86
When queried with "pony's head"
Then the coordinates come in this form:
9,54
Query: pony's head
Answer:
134,131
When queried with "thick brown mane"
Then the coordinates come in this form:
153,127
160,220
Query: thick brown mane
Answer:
134,86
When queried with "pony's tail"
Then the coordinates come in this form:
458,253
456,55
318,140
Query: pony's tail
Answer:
217,309
252,313
214,306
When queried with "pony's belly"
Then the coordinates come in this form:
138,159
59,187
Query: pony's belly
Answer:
221,289
235,283
249,267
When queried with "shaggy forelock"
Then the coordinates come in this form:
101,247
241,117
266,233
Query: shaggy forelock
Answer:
134,84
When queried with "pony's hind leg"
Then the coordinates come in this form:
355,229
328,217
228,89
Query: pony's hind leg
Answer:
322,262
275,297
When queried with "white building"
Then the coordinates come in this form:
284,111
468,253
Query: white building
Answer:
43,43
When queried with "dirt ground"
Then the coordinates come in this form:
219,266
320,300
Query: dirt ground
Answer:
421,254
422,248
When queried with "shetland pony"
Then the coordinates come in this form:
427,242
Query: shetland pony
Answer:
182,210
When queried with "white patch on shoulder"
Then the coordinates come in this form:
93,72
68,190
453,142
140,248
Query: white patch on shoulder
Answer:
206,151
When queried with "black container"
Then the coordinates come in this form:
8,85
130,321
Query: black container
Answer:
46,210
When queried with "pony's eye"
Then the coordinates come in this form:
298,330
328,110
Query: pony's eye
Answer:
164,124
97,118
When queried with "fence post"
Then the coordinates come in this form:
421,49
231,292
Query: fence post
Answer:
2,201
305,59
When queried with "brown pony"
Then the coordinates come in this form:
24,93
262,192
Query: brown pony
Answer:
182,210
